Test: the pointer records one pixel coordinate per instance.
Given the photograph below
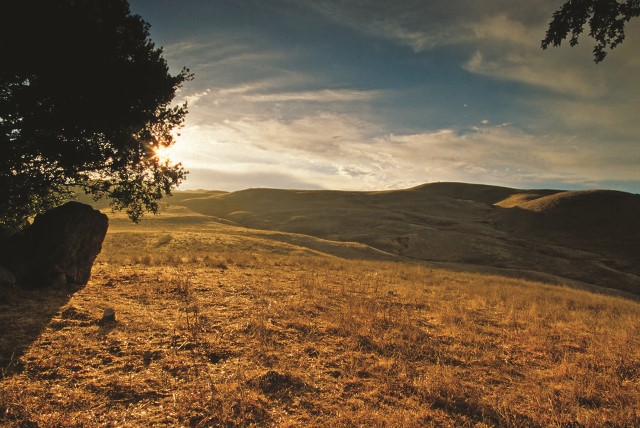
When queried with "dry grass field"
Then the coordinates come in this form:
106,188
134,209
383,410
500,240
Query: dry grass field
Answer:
591,237
219,325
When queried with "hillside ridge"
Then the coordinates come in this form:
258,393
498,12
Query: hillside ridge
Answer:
590,236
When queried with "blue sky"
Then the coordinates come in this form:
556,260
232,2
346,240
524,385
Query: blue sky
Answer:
374,95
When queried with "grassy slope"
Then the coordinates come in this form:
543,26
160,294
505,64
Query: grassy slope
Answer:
590,236
224,326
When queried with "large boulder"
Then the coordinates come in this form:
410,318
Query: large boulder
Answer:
58,249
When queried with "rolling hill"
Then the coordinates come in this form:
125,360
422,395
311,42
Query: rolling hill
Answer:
591,237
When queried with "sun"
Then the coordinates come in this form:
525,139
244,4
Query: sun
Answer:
163,154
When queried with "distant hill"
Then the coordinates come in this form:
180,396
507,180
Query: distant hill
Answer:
588,236
590,213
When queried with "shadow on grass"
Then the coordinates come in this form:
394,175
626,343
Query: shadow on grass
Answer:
24,314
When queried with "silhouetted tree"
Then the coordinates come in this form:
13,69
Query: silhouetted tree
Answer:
85,101
607,19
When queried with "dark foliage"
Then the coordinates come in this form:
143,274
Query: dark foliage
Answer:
606,19
85,101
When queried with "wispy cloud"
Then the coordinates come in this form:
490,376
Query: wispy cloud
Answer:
322,95
193,98
214,178
285,113
503,38
348,153
535,71
425,25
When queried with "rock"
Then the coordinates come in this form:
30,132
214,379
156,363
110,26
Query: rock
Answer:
58,249
108,316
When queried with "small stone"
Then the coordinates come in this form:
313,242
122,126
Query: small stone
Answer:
108,316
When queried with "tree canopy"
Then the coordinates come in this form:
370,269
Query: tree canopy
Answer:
606,18
85,102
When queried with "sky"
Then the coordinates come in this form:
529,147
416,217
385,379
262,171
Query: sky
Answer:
378,95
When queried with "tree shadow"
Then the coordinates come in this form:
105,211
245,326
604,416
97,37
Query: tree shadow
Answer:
24,314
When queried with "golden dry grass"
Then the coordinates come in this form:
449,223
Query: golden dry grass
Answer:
587,236
221,326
